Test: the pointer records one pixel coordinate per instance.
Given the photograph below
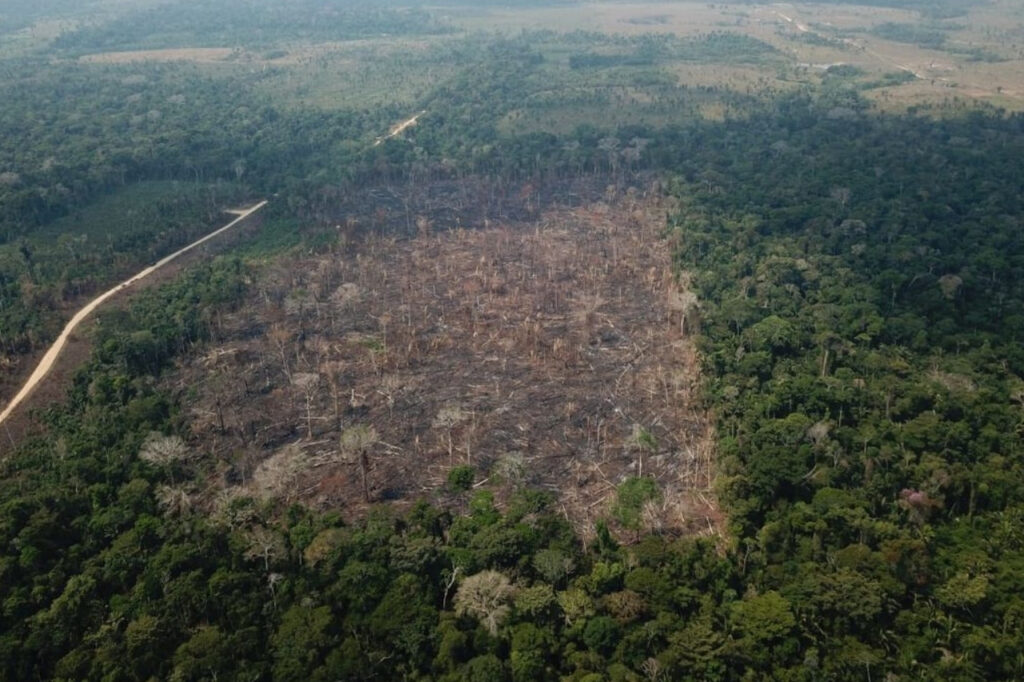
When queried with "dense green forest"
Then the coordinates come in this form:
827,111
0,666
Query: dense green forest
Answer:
861,282
867,376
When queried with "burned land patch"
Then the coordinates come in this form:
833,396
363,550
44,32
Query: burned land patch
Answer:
549,354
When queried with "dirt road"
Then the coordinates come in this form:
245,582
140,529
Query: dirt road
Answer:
51,355
399,128
880,57
793,22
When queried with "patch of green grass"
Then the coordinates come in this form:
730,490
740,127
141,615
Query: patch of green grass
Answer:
126,210
104,240
365,75
888,80
913,34
337,84
274,234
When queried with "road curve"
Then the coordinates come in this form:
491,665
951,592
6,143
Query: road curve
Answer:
54,351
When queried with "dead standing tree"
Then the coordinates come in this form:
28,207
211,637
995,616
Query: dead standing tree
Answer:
263,544
282,338
356,443
447,419
685,303
336,376
308,384
165,452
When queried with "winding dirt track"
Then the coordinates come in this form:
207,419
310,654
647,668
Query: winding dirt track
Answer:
51,355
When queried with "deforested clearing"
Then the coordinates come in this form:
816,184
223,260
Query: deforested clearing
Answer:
551,354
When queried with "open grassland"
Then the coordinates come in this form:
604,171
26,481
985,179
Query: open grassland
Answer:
159,214
682,18
973,57
358,74
33,37
976,57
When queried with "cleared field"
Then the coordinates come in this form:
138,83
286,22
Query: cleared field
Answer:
135,209
973,57
552,354
183,54
680,18
356,74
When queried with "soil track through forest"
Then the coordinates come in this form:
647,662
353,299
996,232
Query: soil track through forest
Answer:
397,130
54,351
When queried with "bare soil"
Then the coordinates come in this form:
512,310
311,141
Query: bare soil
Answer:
399,128
548,353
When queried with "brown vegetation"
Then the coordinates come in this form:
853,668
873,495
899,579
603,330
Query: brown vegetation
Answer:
550,354
180,54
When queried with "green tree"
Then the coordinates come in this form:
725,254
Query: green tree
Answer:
631,498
